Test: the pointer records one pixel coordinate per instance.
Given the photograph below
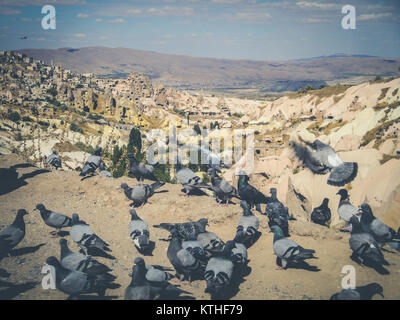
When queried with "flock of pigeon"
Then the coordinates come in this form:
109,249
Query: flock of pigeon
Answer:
194,252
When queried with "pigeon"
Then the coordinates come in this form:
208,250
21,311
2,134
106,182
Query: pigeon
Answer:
345,209
321,158
380,231
103,172
322,214
288,251
140,194
86,239
222,189
195,248
360,293
277,213
219,272
139,170
188,179
76,283
186,230
139,232
211,243
141,289
281,221
250,194
79,262
54,219
187,267
238,256
155,275
247,229
92,163
53,160
13,234
365,249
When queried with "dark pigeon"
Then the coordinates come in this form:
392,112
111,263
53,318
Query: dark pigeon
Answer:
54,160
54,219
155,275
288,251
359,293
92,163
222,189
380,231
250,194
188,179
139,170
321,214
186,230
139,232
86,239
140,194
11,236
321,158
238,256
247,228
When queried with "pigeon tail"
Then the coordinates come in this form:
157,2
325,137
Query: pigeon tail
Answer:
158,184
394,245
343,174
306,253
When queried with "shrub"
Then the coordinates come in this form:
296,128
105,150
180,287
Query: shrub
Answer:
13,116
75,128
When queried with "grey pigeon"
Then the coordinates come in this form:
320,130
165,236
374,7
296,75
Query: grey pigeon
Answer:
222,189
139,232
321,158
365,249
103,172
219,272
195,248
250,194
155,275
139,170
288,251
13,234
380,231
54,160
187,267
141,289
211,243
188,179
321,214
92,163
54,219
238,256
86,239
76,283
186,230
79,262
345,209
140,194
247,228
359,293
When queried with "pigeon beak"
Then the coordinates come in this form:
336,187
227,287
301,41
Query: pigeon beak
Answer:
381,294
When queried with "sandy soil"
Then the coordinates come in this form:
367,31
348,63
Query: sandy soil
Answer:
101,203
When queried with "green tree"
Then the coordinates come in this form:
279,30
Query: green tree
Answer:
135,143
197,129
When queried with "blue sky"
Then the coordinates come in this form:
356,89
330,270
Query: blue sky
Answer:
237,29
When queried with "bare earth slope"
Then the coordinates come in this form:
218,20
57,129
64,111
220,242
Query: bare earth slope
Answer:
101,204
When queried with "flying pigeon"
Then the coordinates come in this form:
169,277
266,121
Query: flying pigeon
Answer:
322,214
188,179
222,189
359,293
345,209
219,272
380,231
139,232
140,194
53,160
139,170
364,246
141,289
247,228
13,234
54,219
288,251
78,262
250,194
76,283
321,158
211,243
86,239
187,267
92,163
186,230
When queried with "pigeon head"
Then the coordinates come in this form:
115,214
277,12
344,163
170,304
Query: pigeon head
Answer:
273,191
75,218
375,288
317,145
354,220
40,207
124,186
203,223
343,193
133,213
366,209
139,261
52,261
211,172
54,152
22,212
325,201
98,151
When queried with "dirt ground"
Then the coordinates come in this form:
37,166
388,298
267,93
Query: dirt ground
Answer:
101,203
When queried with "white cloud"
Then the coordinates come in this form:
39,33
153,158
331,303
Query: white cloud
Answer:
316,5
312,20
80,35
119,20
98,20
25,3
5,11
373,16
30,20
82,16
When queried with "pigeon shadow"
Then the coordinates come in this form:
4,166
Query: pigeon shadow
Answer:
10,290
368,291
9,177
257,236
98,253
378,268
196,192
161,191
4,273
305,266
26,250
63,233
149,249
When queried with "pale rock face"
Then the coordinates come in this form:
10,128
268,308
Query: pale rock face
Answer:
387,147
348,142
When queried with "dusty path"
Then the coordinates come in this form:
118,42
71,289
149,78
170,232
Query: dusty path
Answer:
101,204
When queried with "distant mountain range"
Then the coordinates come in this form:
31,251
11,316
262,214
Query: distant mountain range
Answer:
208,73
